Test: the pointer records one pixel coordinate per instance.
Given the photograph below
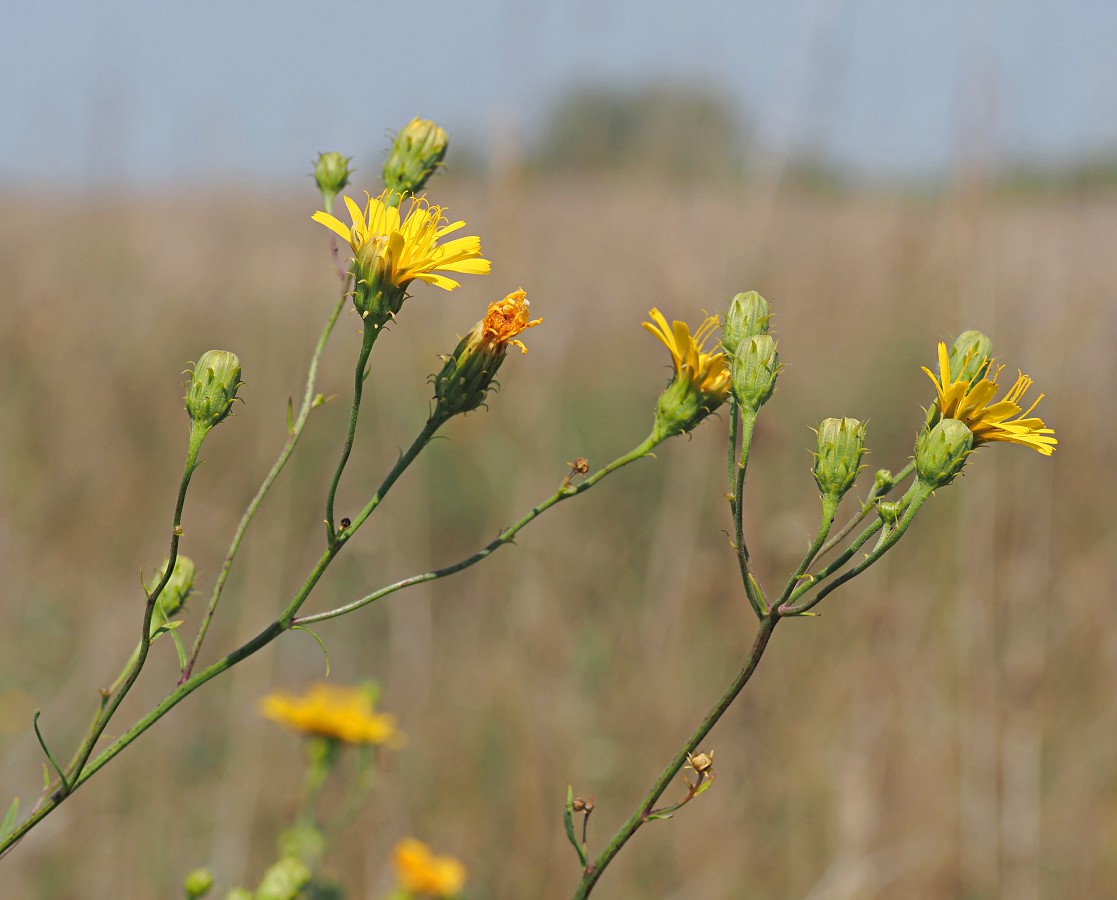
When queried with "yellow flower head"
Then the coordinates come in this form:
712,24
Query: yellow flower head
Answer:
969,401
406,247
507,318
421,872
701,383
707,372
339,713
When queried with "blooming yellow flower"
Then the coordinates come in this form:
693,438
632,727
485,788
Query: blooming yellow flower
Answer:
507,318
1005,420
406,248
707,373
421,872
340,713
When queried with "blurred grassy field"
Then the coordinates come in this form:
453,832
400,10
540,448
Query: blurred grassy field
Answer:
945,729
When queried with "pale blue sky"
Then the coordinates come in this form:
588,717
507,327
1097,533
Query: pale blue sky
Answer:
191,89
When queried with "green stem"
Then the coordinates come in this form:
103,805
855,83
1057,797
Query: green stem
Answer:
197,435
916,496
293,434
866,508
753,591
640,815
829,509
505,537
370,335
185,688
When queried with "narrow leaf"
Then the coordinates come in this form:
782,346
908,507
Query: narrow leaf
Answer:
9,819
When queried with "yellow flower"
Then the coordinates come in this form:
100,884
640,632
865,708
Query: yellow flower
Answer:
507,318
1005,420
340,713
701,383
421,872
707,372
405,248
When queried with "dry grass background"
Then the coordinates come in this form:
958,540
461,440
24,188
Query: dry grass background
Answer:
945,729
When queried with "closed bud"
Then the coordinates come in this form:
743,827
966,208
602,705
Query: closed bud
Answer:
883,482
889,511
754,368
213,386
941,452
198,883
416,152
331,172
969,355
747,317
841,443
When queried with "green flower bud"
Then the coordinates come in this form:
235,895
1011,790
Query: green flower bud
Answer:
969,355
841,443
213,386
284,880
332,174
748,316
883,482
176,590
198,883
416,152
753,370
889,510
941,452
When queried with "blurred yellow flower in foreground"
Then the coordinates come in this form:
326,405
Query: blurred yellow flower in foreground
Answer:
340,713
706,373
421,872
1004,420
405,248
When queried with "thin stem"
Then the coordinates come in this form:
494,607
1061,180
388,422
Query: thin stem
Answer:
747,418
866,508
642,812
370,335
505,537
293,434
197,435
284,623
916,496
829,509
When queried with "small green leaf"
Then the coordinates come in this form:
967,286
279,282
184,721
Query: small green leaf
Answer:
663,816
704,786
290,416
320,644
9,819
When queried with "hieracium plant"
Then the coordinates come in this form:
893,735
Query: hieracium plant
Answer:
397,242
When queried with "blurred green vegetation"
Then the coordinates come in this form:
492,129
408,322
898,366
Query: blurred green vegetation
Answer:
944,729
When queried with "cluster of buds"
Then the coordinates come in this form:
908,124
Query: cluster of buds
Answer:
753,354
